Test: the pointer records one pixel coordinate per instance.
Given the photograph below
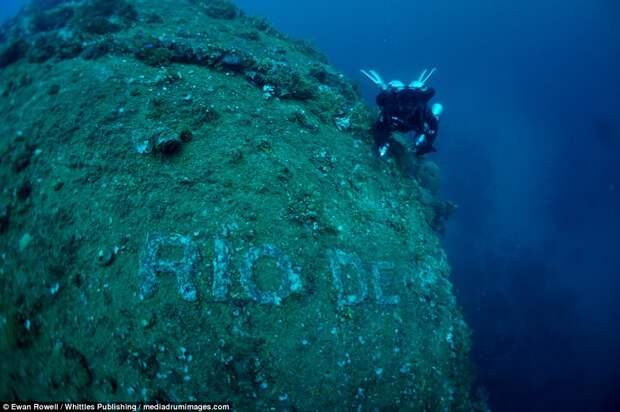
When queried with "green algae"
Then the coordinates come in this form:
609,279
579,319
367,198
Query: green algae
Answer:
274,149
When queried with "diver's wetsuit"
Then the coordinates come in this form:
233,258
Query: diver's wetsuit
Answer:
406,111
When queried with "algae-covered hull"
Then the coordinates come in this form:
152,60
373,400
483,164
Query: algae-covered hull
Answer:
191,210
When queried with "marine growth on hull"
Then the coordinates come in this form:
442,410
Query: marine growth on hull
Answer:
192,209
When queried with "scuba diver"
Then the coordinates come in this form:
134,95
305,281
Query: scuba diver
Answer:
404,109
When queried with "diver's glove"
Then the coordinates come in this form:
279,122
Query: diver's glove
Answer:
421,140
384,149
422,146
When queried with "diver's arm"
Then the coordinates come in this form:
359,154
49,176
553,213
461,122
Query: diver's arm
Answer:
383,99
431,122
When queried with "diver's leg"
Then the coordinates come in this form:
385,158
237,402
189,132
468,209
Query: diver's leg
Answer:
382,134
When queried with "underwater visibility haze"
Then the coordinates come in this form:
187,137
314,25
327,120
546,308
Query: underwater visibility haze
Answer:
195,204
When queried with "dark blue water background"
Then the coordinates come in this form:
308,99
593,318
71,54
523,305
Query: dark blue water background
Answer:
529,148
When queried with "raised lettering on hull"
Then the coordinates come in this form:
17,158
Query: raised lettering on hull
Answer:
351,291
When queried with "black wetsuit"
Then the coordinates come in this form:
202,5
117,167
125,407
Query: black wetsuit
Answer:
406,111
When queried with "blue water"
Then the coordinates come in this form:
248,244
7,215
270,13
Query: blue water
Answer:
529,148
